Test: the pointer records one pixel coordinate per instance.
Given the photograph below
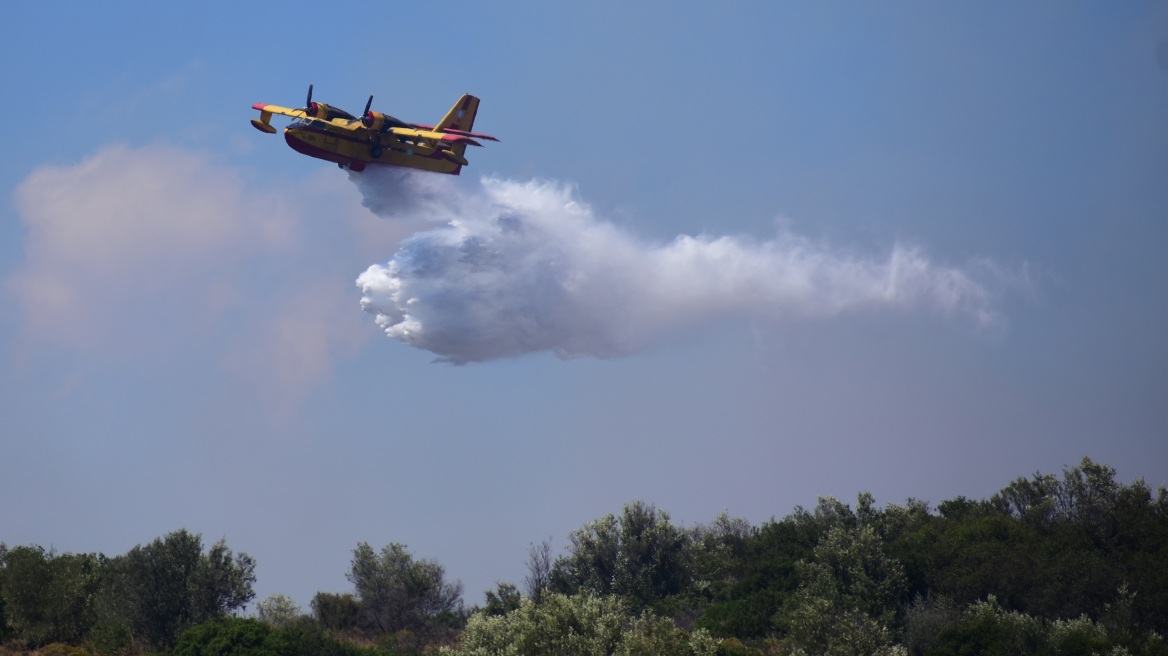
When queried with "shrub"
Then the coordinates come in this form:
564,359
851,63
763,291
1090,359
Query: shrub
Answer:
226,637
61,649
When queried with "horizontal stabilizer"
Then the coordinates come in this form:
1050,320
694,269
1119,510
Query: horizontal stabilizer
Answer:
477,135
459,139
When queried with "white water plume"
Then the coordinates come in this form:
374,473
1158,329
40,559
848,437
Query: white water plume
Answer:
522,267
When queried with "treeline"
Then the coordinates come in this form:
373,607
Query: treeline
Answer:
1070,564
149,595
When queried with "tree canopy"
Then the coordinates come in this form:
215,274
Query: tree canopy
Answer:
397,592
154,592
1075,563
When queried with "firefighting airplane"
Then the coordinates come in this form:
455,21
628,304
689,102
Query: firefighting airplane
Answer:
335,135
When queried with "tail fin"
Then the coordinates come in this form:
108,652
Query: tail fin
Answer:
461,116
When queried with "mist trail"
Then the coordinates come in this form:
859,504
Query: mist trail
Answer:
510,267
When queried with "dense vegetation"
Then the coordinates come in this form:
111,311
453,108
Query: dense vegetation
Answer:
1076,564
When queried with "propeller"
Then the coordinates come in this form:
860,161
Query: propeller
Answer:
367,117
309,106
378,121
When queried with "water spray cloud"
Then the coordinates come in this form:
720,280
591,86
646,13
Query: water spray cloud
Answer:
522,267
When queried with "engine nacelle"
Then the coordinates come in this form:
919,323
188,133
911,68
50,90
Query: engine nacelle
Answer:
373,120
379,122
317,110
325,112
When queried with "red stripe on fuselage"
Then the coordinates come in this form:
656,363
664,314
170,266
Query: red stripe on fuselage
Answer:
304,148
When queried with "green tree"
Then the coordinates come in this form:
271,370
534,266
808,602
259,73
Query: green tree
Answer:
1140,547
581,625
49,597
1086,492
762,576
717,548
162,588
25,593
1048,546
307,638
502,600
650,635
640,556
277,610
110,638
335,612
987,628
847,596
591,562
925,620
226,637
977,551
5,631
235,636
397,592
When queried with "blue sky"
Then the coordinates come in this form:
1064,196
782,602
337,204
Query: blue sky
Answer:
184,346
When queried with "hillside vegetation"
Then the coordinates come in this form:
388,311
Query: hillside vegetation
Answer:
1070,564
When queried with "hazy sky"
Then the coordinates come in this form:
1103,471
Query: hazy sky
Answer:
725,257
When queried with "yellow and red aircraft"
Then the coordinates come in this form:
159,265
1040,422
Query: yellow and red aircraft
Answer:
332,134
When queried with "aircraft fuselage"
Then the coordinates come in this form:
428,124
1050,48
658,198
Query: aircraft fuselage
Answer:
335,141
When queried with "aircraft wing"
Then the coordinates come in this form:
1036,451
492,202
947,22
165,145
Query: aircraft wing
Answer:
276,109
263,124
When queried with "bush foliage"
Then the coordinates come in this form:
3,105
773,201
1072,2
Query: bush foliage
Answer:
1070,564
